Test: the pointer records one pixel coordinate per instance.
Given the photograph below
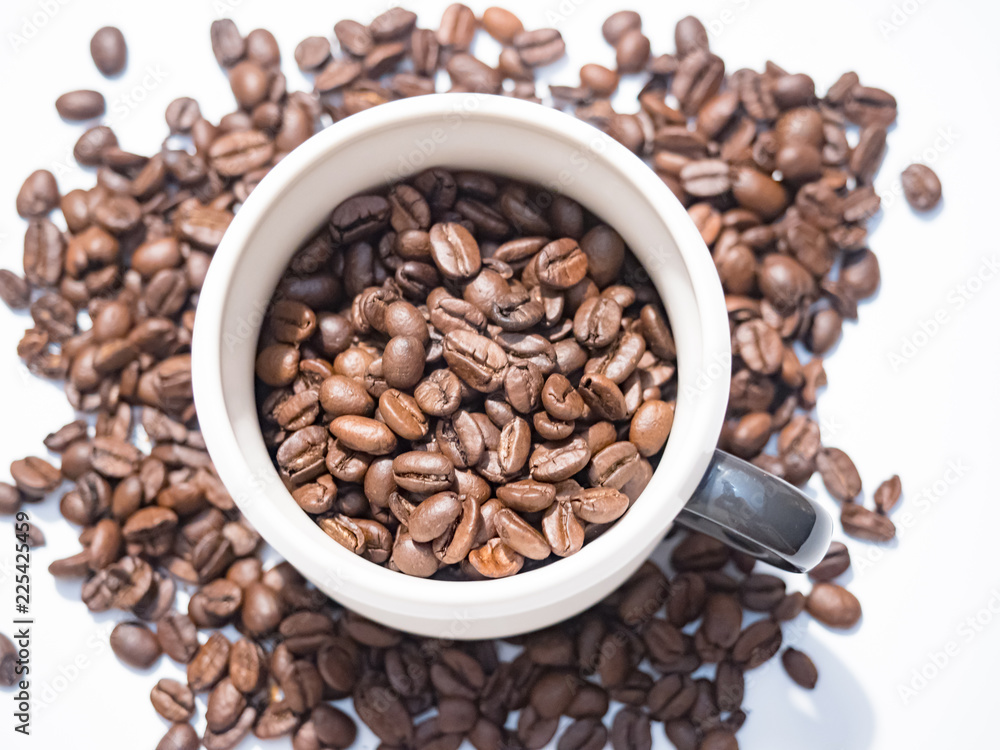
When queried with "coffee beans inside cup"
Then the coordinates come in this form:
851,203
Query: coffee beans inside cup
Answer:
489,387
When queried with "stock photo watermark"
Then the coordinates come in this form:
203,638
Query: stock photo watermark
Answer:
899,14
936,661
34,22
956,299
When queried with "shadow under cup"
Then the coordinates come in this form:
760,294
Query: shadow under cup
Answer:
396,141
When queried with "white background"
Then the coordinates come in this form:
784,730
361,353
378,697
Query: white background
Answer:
935,408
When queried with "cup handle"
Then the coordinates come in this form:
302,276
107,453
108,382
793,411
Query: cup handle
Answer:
758,513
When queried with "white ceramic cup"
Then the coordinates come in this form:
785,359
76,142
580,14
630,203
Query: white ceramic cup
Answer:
509,137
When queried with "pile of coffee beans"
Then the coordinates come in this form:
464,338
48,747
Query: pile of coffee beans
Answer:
491,388
767,172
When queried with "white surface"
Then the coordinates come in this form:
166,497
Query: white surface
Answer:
534,144
936,591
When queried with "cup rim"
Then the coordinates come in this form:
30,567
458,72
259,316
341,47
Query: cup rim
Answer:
523,591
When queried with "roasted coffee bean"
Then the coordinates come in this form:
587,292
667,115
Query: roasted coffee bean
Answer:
135,644
227,42
888,493
540,47
651,426
179,737
561,264
35,477
836,561
833,605
178,637
840,477
39,194
761,593
232,737
800,668
620,23
495,559
172,700
520,536
107,48
247,667
861,523
583,734
383,711
562,530
209,664
599,504
10,499
312,52
921,186
224,707
630,730
555,462
757,643
80,105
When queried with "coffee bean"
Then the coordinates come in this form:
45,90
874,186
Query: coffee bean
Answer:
562,530
247,667
561,264
630,730
800,668
540,47
599,504
178,637
228,44
840,477
232,737
888,493
762,593
80,105
179,737
833,605
718,739
38,195
760,346
632,51
836,561
458,26
383,711
501,24
921,187
757,643
225,706
862,523
135,644
209,664
34,477
240,152
107,48
620,23
172,700
14,290
10,499
363,434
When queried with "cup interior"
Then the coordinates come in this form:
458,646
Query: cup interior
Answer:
393,142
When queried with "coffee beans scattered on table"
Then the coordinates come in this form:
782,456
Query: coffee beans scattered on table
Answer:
500,386
768,175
